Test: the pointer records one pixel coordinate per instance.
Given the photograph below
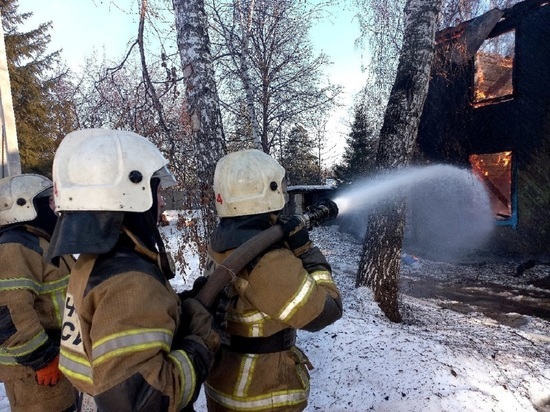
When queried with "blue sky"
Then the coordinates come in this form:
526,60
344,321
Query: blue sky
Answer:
81,27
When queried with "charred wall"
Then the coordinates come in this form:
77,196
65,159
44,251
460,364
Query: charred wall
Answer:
452,127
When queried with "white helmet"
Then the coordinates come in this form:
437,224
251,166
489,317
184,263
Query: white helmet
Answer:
107,170
17,194
248,182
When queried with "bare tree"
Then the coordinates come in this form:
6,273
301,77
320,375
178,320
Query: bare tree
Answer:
380,262
235,39
186,126
265,63
119,99
202,106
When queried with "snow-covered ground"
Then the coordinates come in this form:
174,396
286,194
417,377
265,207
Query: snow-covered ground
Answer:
437,360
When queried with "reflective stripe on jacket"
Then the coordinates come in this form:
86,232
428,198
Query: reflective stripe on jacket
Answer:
120,318
275,294
32,294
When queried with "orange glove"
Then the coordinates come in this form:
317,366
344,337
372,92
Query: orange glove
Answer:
49,375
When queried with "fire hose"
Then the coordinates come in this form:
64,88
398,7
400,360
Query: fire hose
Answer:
315,215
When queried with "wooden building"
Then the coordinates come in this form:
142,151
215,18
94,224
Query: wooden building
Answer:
488,109
301,197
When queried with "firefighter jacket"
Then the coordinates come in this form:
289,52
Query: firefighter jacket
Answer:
120,318
32,295
260,368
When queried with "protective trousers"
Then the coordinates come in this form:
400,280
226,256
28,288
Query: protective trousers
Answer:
26,395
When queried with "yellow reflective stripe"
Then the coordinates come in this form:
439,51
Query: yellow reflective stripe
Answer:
258,403
28,347
55,285
75,366
299,298
322,276
256,330
254,320
7,360
130,341
36,287
58,301
187,375
56,289
247,318
248,365
20,283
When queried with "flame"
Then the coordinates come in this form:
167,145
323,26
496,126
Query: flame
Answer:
479,83
505,158
496,172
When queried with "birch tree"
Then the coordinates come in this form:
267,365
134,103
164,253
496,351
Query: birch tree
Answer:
265,63
383,27
379,267
236,40
202,106
381,24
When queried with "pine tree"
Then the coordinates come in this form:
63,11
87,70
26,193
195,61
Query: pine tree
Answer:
298,160
360,153
240,136
33,102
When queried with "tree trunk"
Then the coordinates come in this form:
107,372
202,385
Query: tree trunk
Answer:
245,17
202,108
381,258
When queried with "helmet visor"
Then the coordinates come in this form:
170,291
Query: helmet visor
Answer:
45,193
167,179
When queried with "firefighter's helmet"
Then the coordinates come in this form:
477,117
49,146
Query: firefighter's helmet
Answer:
248,182
17,194
107,170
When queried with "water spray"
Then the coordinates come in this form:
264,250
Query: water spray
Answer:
449,211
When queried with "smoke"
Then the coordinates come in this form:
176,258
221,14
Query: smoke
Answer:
448,209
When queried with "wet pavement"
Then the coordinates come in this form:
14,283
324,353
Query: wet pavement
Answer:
505,304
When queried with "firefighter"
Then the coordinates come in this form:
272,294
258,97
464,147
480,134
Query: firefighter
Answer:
125,339
287,287
32,293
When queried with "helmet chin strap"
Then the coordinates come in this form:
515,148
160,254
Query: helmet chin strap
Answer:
142,228
165,261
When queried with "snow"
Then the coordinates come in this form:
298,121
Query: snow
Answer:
437,360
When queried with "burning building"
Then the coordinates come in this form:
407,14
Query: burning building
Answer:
488,109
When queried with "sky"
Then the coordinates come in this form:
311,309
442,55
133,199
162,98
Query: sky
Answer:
437,360
81,27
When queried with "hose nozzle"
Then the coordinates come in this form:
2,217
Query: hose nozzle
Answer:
320,212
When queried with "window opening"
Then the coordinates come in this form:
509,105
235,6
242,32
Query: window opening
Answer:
496,171
494,66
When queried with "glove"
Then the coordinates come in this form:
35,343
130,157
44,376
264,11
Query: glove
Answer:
295,234
49,375
197,338
191,293
197,321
